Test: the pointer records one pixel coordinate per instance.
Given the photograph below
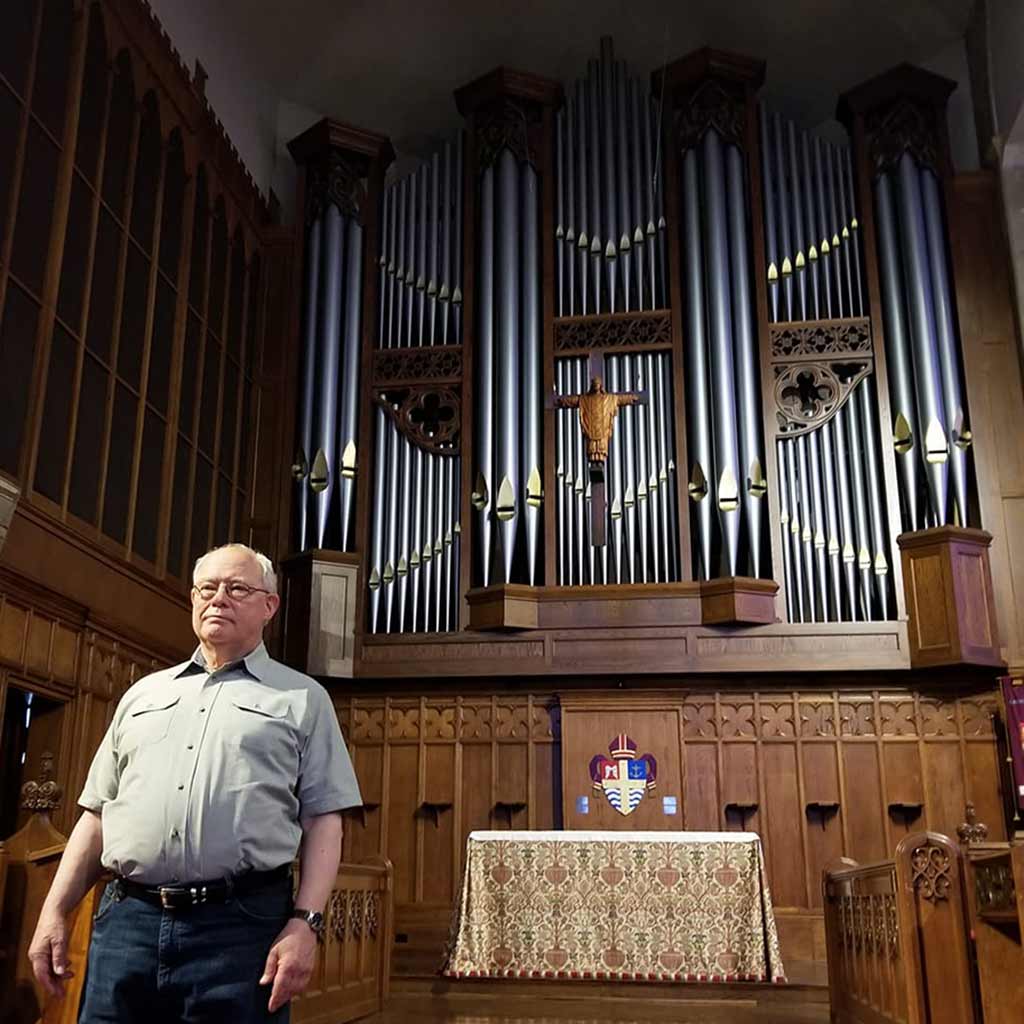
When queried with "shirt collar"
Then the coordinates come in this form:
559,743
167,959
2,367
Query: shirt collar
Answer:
254,663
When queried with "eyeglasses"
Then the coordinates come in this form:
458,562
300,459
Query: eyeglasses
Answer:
235,589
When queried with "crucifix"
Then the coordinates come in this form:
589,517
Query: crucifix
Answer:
597,409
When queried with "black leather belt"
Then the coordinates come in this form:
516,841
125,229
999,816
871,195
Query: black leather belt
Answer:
182,896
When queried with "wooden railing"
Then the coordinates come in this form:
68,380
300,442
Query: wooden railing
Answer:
353,970
994,876
897,939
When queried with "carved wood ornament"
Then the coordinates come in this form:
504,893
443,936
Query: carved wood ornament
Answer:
429,416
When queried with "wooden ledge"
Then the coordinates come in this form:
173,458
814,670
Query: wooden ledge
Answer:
734,601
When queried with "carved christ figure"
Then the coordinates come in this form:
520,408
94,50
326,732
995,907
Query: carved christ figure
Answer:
598,409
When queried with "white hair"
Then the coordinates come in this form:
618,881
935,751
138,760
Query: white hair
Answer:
265,564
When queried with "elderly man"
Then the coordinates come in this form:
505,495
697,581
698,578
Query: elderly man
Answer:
212,775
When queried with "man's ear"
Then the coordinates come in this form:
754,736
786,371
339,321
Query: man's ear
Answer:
273,603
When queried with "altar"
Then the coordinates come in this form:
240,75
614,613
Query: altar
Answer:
629,906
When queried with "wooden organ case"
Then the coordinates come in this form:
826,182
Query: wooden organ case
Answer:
794,582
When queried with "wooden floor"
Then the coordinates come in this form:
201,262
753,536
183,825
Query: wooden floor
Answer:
431,1009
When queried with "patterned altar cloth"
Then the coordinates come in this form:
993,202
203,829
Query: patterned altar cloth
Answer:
631,906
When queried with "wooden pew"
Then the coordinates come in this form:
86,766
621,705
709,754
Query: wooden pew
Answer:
896,936
994,876
353,970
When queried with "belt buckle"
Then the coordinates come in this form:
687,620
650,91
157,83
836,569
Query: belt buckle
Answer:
167,892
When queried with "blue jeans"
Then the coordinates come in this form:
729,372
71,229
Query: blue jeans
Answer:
199,966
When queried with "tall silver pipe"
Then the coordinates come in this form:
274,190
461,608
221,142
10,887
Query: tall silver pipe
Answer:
349,417
443,486
821,440
838,254
580,474
637,419
508,505
845,215
625,241
812,580
785,237
324,472
811,456
560,272
747,366
850,417
666,446
797,221
854,245
399,339
382,262
457,198
648,413
444,292
825,243
639,171
702,472
812,230
570,203
484,494
874,485
946,343
630,512
651,227
597,222
721,350
897,346
561,521
416,540
392,267
836,432
784,523
617,494
771,241
932,428
450,550
422,232
388,576
304,497
530,481
801,571
435,244
378,520
583,217
404,530
611,220
428,566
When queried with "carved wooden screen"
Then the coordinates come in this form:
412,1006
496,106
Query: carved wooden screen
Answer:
129,287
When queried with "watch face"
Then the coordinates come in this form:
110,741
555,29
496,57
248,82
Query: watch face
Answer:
316,921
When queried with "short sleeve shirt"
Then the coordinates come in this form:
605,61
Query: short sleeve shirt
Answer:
203,775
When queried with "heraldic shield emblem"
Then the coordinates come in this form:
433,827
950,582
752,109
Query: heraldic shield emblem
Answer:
624,777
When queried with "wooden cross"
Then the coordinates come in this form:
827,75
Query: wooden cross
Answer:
597,410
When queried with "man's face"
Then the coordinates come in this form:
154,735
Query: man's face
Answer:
231,623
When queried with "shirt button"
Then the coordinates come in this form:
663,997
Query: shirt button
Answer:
182,786
190,746
202,709
174,833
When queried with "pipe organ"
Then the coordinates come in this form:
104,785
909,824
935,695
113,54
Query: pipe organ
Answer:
777,306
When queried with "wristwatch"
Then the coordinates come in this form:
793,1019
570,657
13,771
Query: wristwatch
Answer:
313,918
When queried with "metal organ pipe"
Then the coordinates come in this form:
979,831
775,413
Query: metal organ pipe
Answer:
304,457
530,486
414,526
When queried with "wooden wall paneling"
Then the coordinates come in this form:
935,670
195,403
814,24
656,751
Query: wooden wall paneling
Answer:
702,802
437,828
944,786
401,809
823,832
863,786
512,791
740,787
477,775
784,852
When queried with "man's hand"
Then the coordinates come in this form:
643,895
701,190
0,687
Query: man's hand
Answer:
289,963
48,952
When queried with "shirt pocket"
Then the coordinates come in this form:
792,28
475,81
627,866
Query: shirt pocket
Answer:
265,736
147,722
